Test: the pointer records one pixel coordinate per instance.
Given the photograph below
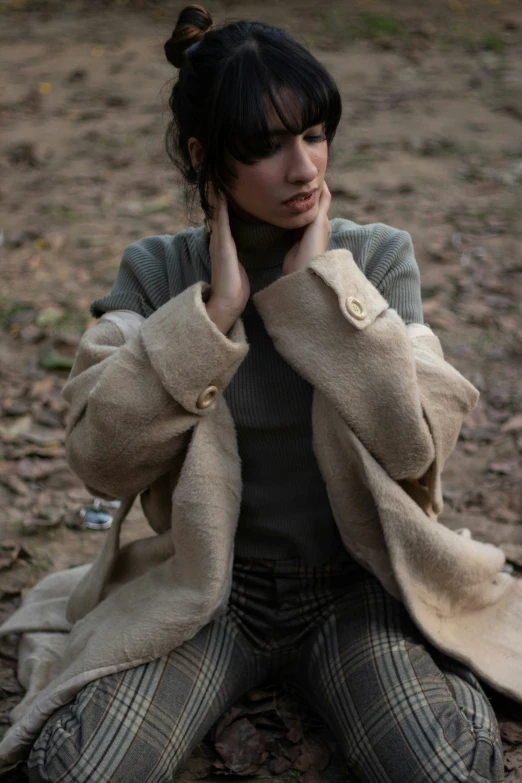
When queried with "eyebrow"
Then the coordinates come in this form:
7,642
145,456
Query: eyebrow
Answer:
284,132
278,132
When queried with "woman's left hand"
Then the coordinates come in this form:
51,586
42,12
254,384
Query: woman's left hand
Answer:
311,240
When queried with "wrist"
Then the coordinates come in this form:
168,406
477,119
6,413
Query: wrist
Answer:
222,317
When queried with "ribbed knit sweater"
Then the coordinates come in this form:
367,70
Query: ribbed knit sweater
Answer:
285,509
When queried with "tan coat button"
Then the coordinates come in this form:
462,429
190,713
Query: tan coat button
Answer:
356,308
207,397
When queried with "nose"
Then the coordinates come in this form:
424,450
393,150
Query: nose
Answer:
301,169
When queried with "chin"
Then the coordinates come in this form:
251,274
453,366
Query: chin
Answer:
297,221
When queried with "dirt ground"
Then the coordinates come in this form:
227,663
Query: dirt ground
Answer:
430,142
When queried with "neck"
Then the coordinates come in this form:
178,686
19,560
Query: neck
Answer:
259,244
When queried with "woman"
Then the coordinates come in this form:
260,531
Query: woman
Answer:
196,315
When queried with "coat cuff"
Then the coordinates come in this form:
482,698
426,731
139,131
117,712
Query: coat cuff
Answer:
193,358
359,301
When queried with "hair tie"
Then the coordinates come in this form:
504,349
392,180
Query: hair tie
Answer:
192,48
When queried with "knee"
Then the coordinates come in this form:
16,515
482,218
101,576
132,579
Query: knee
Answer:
57,750
470,755
476,757
485,761
83,742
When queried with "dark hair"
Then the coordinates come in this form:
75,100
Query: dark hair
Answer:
225,74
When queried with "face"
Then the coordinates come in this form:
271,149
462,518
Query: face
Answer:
266,190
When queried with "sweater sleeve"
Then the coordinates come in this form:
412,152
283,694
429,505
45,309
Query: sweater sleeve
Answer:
141,284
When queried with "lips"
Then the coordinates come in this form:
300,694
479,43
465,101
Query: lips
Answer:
301,196
300,205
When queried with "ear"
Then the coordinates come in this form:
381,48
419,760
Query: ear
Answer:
196,152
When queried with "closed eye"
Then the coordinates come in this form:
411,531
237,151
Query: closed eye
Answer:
274,147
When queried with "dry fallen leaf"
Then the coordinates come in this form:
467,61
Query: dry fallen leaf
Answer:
241,746
504,514
196,769
41,387
11,551
37,451
291,752
513,554
36,469
514,424
505,468
515,776
15,484
313,754
295,730
278,765
513,760
311,776
33,524
228,717
510,731
10,430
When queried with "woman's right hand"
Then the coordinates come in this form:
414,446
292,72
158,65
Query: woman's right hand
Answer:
230,288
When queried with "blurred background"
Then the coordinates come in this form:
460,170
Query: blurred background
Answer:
430,142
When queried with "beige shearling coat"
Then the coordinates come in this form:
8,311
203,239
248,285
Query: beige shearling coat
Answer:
147,416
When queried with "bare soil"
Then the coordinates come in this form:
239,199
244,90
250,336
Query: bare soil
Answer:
430,142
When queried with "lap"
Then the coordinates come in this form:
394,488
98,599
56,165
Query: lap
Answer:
401,711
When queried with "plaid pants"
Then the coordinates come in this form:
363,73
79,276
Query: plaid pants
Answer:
401,712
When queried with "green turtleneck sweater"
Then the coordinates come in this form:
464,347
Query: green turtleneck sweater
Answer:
285,509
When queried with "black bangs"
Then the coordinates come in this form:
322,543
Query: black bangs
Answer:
261,76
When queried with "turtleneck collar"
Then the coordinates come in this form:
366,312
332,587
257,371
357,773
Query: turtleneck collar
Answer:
260,245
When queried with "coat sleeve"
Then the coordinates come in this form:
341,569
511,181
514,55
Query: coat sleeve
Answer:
388,380
136,386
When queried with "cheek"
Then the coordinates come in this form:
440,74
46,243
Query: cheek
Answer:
320,157
258,179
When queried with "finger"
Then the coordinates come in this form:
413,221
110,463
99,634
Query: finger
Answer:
212,199
325,192
222,220
325,199
222,208
210,219
219,204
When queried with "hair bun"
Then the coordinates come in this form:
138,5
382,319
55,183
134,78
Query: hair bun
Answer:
193,22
